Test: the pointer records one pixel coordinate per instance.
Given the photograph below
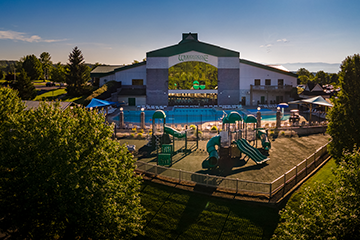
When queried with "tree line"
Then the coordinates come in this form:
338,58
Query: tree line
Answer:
183,76
320,77
21,74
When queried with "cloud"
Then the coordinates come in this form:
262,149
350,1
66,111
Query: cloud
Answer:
267,46
284,40
19,36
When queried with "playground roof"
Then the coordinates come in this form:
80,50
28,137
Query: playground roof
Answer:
99,103
232,118
159,114
250,119
319,100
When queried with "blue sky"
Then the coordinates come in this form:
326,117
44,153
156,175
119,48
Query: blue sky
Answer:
117,32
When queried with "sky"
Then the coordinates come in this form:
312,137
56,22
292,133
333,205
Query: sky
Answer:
119,32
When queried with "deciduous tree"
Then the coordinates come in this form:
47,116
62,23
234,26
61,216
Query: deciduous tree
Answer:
46,64
344,116
63,177
58,73
32,65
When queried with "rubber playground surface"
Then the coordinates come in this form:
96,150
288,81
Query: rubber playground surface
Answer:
285,153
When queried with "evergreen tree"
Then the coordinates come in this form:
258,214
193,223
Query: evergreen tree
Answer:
24,85
78,74
58,73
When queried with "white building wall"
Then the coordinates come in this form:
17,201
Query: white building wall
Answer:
126,76
249,73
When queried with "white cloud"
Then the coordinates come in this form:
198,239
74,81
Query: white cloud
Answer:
282,40
19,36
267,46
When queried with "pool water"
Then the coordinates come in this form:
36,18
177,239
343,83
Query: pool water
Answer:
195,115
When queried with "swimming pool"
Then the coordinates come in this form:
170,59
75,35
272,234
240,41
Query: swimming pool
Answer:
195,115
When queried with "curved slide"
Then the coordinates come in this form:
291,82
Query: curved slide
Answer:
213,154
266,144
250,151
174,132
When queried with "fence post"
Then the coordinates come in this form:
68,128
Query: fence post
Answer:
296,179
156,170
237,185
270,191
207,180
284,184
179,175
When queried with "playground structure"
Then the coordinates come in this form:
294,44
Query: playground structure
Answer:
161,141
234,139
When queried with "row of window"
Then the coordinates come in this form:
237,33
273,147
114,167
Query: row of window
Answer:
268,82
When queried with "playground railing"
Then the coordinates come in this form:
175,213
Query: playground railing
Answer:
275,189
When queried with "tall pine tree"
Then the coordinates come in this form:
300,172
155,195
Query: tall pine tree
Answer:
24,85
78,74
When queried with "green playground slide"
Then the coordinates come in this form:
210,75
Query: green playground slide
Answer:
174,132
251,151
265,142
213,154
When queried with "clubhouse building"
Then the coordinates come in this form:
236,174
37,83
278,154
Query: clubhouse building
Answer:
237,81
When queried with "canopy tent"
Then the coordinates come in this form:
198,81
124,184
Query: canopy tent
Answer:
99,103
319,100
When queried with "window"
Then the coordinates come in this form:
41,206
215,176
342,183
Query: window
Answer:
257,82
137,82
281,82
267,81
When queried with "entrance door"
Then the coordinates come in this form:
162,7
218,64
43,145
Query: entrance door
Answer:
243,101
132,101
262,99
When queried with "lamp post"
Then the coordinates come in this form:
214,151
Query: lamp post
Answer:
278,117
142,119
121,119
258,117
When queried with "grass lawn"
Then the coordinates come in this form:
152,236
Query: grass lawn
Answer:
51,95
325,175
178,214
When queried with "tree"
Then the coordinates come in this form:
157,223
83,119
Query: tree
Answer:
24,85
63,177
32,66
322,78
304,75
78,74
58,74
344,116
46,63
326,211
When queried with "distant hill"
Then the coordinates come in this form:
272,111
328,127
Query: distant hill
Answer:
313,67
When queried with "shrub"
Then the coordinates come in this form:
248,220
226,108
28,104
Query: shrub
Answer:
132,135
139,135
214,128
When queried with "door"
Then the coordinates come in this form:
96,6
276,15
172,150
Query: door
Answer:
132,101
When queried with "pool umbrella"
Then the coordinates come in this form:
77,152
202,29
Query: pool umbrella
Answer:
282,106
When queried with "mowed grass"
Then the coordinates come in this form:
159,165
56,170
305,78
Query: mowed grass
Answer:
177,214
325,176
51,95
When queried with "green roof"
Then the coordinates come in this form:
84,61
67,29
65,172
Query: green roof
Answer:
233,117
250,119
159,114
254,64
102,71
191,43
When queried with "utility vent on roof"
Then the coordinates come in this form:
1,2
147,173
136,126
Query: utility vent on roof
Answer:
189,37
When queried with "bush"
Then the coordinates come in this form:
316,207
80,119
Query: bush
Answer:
214,128
139,135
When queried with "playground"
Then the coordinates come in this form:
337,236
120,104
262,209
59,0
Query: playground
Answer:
240,150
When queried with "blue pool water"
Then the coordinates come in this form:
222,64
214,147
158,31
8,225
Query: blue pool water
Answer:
194,115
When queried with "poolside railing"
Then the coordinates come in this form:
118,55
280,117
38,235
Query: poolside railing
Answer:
273,190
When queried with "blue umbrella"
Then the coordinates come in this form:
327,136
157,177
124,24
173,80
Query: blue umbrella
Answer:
283,105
